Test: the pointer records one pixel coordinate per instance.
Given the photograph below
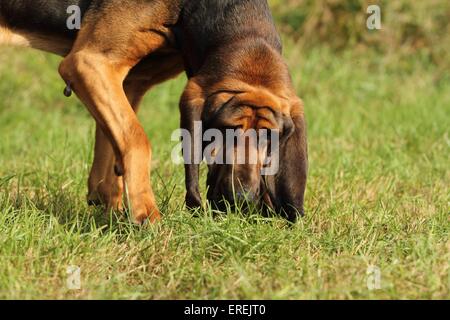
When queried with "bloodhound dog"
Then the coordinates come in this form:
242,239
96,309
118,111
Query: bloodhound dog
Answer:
237,78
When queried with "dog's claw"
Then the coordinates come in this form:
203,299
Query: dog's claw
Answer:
68,91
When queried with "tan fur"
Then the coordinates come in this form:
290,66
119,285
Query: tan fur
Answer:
96,68
34,40
119,54
253,91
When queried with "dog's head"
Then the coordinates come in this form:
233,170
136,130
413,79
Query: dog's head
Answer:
255,145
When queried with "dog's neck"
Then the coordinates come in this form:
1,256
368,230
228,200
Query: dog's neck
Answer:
208,29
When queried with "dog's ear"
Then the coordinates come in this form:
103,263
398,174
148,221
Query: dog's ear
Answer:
288,185
191,109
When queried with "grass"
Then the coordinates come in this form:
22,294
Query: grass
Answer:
378,193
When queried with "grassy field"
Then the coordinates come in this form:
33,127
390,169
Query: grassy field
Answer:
378,193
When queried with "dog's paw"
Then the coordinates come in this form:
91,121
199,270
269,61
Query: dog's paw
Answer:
144,210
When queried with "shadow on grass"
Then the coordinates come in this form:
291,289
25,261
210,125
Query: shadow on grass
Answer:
72,212
66,208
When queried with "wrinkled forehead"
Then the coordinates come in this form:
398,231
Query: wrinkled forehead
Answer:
247,117
244,110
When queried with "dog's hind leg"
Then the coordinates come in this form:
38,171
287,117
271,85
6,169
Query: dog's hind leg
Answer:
104,186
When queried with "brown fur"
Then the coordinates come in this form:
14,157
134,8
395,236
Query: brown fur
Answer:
126,47
121,51
243,81
40,41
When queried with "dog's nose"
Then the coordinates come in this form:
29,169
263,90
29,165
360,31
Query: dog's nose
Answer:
244,196
241,198
241,195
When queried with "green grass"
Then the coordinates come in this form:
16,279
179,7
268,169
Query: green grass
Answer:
378,193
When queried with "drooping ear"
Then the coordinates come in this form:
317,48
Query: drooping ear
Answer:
290,182
191,108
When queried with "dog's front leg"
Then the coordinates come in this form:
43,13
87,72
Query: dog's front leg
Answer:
104,185
191,108
101,58
98,83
